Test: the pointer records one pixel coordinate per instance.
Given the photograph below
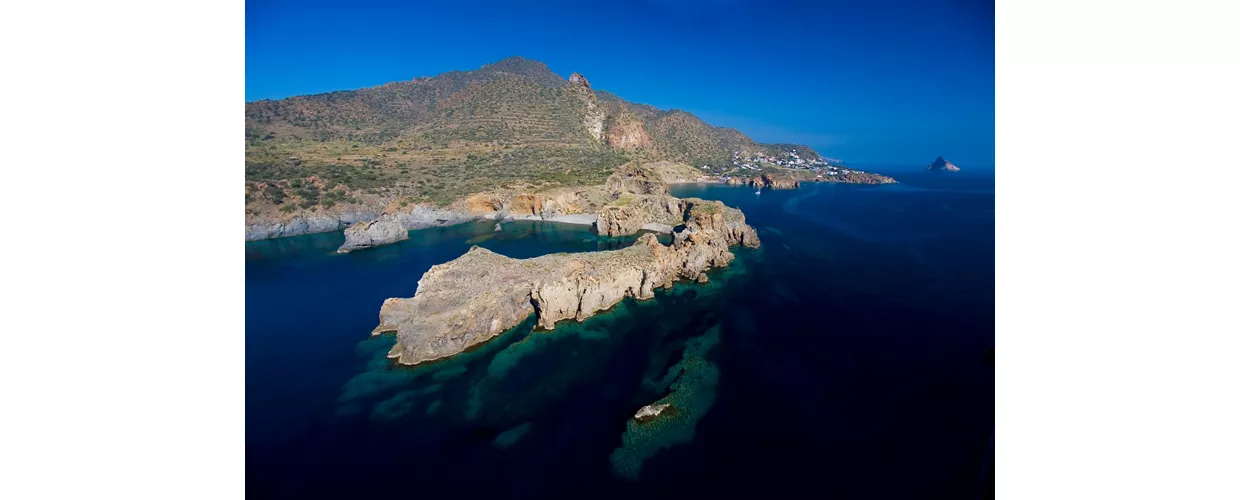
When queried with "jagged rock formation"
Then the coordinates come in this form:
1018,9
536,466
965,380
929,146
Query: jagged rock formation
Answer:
941,165
579,78
656,213
639,200
477,296
384,230
593,115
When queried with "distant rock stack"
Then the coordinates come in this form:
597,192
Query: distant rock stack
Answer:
941,165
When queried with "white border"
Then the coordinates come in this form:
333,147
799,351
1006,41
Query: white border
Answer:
122,364
1116,371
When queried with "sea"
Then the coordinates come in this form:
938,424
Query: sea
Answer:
850,356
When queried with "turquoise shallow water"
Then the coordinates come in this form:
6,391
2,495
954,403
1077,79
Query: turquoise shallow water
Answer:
851,354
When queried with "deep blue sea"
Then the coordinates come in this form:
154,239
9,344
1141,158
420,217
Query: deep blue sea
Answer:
851,356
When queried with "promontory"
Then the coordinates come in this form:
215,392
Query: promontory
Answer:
477,296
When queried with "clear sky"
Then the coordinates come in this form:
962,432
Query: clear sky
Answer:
867,81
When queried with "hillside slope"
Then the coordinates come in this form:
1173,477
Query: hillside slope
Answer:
512,124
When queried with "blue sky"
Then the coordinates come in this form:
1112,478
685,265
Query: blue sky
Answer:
879,81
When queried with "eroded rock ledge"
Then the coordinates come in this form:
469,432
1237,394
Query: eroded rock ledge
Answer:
766,180
477,296
384,230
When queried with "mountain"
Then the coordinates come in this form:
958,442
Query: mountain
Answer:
941,165
436,139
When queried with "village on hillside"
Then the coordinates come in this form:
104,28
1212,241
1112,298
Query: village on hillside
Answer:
820,166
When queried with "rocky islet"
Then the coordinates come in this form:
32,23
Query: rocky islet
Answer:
471,299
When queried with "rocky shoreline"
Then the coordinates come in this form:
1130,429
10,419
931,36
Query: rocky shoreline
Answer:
418,217
635,197
566,205
793,179
381,231
475,297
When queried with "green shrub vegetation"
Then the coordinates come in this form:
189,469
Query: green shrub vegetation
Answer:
438,139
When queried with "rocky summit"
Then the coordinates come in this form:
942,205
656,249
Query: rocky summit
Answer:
469,300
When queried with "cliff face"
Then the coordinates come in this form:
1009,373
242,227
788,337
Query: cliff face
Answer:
625,131
523,205
477,296
593,115
775,181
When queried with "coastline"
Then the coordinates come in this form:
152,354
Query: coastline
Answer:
699,181
575,219
423,217
328,224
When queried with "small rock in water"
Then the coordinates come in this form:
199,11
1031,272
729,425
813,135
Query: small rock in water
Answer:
381,329
649,412
702,278
498,227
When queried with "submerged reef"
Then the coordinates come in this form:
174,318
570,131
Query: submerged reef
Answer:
510,437
692,383
535,372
